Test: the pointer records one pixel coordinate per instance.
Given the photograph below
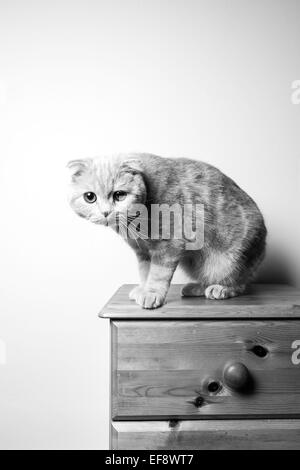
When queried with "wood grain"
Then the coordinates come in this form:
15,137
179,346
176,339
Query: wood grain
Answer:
262,301
207,435
160,368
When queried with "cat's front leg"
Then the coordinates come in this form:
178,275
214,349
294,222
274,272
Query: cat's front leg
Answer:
154,292
144,267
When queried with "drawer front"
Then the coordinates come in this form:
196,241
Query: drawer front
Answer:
207,435
175,369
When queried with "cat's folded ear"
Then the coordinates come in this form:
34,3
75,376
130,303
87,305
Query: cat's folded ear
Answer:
78,167
133,166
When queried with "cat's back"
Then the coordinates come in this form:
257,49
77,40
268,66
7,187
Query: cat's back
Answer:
171,178
184,174
180,168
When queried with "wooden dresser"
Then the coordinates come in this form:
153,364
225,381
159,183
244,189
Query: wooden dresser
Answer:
202,374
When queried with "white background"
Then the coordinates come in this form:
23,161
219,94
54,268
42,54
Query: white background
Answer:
208,79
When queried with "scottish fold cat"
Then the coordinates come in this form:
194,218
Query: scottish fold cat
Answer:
107,191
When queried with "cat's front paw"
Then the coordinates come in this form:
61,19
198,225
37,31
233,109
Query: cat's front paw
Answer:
149,299
135,292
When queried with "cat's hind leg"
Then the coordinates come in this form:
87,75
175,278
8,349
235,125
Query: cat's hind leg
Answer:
218,275
224,274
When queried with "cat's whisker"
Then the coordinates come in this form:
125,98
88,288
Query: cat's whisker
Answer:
134,238
138,218
140,234
124,228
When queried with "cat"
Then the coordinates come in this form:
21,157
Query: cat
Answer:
104,191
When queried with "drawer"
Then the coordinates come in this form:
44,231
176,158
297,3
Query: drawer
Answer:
175,369
207,435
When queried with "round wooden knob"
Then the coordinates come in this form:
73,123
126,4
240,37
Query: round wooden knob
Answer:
236,376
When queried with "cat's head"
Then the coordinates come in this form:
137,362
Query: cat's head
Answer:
101,188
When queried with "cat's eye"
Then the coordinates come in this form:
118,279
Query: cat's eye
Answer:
119,195
90,197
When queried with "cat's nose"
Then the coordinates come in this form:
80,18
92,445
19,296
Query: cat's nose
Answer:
105,213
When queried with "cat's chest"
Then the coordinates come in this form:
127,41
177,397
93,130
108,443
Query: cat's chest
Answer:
201,374
138,244
148,246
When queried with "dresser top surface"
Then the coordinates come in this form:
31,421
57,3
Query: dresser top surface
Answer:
262,301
